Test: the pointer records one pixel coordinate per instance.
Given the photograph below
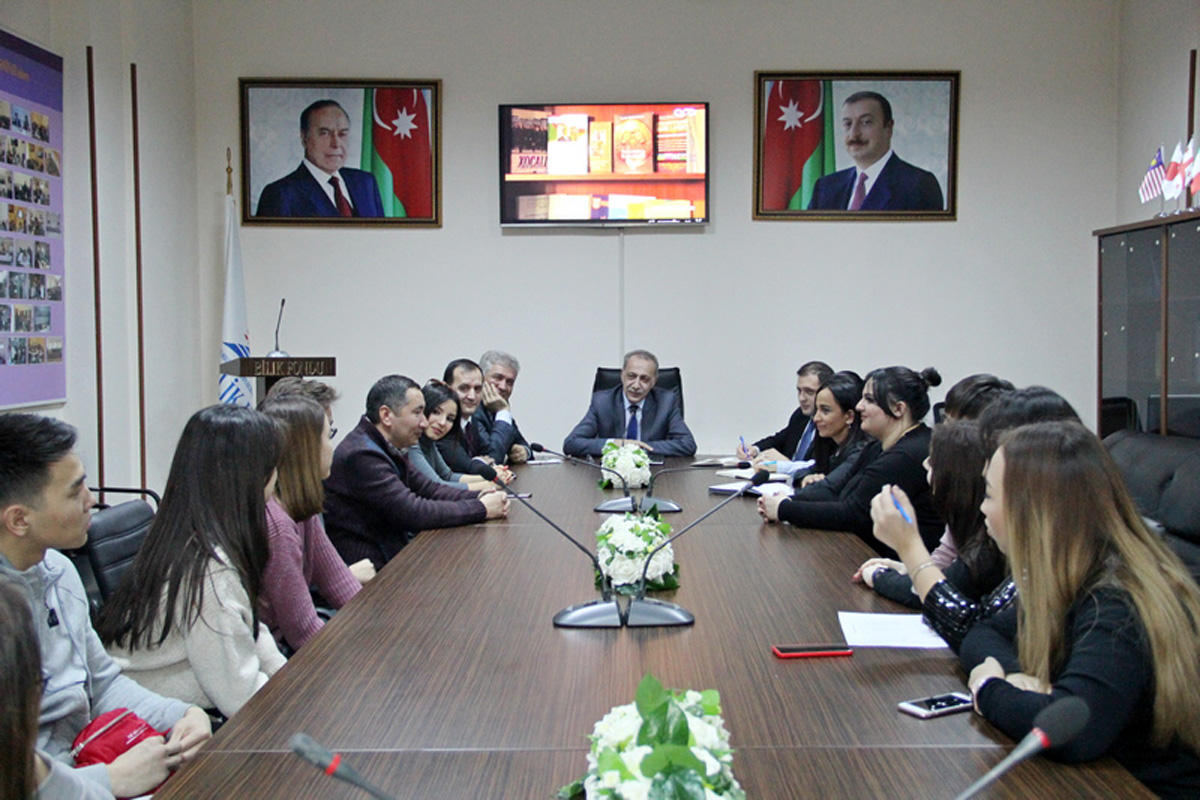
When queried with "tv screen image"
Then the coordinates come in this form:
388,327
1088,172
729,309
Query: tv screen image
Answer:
604,164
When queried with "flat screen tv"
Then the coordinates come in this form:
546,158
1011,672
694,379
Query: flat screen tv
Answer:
598,164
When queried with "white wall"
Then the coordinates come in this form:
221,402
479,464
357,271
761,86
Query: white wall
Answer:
157,36
1009,287
1156,36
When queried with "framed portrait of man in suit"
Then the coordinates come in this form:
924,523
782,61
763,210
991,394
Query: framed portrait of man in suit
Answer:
855,145
341,152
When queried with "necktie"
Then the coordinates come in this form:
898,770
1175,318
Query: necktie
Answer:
631,430
469,434
343,205
859,192
806,440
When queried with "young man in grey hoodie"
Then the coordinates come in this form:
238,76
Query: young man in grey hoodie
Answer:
45,506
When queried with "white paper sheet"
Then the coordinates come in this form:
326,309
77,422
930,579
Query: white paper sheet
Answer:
888,630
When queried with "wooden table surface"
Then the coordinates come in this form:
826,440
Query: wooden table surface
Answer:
444,677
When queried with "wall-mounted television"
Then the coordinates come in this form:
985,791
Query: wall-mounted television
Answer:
604,164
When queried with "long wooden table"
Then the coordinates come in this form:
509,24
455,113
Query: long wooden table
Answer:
445,677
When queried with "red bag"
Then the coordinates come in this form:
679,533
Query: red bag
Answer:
110,735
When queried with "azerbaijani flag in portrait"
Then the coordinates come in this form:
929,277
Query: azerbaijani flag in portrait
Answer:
798,144
397,149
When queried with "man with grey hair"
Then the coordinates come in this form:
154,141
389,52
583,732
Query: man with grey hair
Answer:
501,439
636,412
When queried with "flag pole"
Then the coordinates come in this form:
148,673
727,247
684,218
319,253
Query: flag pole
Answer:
1162,198
137,247
96,306
1191,118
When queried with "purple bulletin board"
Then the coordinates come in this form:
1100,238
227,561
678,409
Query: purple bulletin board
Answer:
32,282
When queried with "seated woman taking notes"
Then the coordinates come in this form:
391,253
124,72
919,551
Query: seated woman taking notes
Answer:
184,620
1106,611
301,554
894,401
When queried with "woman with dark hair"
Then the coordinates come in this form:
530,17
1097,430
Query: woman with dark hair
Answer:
184,620
301,554
442,410
24,773
970,396
1020,407
894,401
839,437
955,471
1106,612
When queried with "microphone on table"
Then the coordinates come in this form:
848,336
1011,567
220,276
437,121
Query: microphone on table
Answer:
603,613
651,613
277,353
332,765
1055,725
617,504
665,506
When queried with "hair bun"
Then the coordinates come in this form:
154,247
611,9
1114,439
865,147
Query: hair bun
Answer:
931,376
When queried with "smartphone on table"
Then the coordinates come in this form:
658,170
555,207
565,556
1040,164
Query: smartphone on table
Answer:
938,705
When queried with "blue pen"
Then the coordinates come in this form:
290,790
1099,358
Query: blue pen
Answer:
899,508
742,439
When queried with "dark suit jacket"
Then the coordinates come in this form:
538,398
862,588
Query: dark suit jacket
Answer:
662,425
299,195
899,187
786,440
375,503
497,437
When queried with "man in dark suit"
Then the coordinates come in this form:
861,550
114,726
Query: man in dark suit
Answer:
322,186
879,179
501,439
792,444
635,413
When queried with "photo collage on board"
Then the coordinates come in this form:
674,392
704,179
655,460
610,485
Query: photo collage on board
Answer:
31,283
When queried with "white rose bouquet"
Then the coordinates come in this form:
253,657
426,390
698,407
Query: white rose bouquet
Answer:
663,746
629,460
622,544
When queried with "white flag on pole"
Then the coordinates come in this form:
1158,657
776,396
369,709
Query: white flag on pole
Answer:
235,332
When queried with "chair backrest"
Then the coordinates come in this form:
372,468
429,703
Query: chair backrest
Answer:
114,537
1118,414
668,378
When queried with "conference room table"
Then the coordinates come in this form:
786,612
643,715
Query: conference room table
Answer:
445,677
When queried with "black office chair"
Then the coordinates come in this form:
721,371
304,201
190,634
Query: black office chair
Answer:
668,378
1118,414
115,534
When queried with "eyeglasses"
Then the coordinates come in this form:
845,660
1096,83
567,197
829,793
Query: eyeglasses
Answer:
332,431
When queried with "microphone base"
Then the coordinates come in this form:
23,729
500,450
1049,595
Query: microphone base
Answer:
650,613
663,505
618,505
596,614
277,353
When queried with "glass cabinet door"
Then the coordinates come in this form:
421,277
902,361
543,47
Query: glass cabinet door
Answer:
1130,329
1183,329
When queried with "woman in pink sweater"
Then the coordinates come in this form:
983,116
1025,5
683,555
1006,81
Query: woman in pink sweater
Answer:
301,553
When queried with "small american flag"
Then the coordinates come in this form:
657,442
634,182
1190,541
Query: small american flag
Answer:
1152,184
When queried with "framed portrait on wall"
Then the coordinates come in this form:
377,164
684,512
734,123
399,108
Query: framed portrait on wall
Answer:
855,145
341,152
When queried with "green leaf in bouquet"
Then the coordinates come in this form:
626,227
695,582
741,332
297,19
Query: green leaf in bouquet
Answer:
571,790
666,724
650,695
679,784
607,760
710,701
665,756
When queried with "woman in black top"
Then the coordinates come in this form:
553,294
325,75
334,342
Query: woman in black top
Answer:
839,437
894,401
1106,612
